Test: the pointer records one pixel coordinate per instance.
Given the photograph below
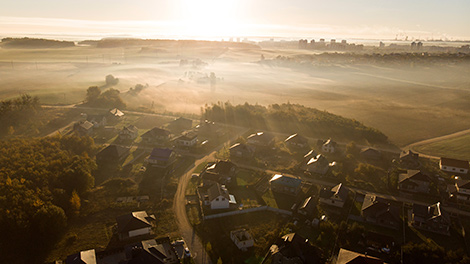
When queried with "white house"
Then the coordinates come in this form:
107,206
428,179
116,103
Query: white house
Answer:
454,165
242,239
329,146
218,197
134,224
187,140
462,191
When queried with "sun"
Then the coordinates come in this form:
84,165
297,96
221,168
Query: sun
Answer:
209,18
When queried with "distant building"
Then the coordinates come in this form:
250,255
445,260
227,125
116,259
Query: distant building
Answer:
454,165
297,141
461,191
329,146
409,159
129,132
335,196
134,224
379,211
318,165
285,184
217,197
161,157
220,172
112,153
156,136
414,181
293,248
156,251
240,150
187,140
260,139
242,239
116,113
308,206
430,218
83,257
371,154
83,128
350,257
180,124
97,120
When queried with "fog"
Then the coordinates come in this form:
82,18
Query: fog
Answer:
407,99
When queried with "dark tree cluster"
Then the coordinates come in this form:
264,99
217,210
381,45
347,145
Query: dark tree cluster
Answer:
108,99
35,43
290,118
41,183
17,112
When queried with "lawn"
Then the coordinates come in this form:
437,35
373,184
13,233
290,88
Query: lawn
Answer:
456,148
245,196
246,177
269,199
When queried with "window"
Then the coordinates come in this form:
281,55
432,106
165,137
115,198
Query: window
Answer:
217,199
223,199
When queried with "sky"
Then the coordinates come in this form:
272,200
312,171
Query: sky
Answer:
206,19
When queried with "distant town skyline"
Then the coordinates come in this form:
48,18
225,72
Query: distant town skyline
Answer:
209,19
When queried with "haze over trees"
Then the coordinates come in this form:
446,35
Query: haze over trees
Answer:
108,99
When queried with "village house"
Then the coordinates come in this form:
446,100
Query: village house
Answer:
318,165
161,157
329,146
83,128
129,132
371,154
156,136
112,154
151,251
210,129
414,181
379,211
350,257
187,140
460,191
296,141
241,150
82,257
430,218
260,139
180,124
409,159
454,165
308,206
293,248
217,197
97,120
335,196
242,239
134,224
285,184
115,113
221,172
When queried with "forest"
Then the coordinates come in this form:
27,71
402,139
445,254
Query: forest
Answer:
294,118
35,43
17,112
42,183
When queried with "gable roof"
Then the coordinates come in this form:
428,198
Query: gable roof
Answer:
430,212
261,136
330,142
351,257
310,154
161,154
156,132
133,221
188,136
339,190
221,167
113,151
378,206
296,138
408,153
414,175
217,190
319,159
463,184
241,147
295,249
285,180
116,112
151,251
455,163
83,257
370,151
308,205
84,124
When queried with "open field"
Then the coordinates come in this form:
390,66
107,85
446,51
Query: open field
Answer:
407,104
455,147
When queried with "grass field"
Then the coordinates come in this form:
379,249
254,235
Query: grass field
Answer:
457,148
408,105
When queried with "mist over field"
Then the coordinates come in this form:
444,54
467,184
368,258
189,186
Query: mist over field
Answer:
407,100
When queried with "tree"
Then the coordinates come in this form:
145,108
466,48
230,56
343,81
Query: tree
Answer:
49,221
75,203
110,80
93,93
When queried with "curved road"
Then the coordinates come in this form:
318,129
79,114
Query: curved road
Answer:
179,206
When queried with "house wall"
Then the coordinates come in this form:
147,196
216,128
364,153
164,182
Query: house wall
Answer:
138,232
187,143
220,203
328,149
453,169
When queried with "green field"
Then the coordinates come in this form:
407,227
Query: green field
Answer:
457,148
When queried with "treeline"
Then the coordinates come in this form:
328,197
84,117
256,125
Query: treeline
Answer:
35,43
17,112
108,99
42,182
293,118
129,42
